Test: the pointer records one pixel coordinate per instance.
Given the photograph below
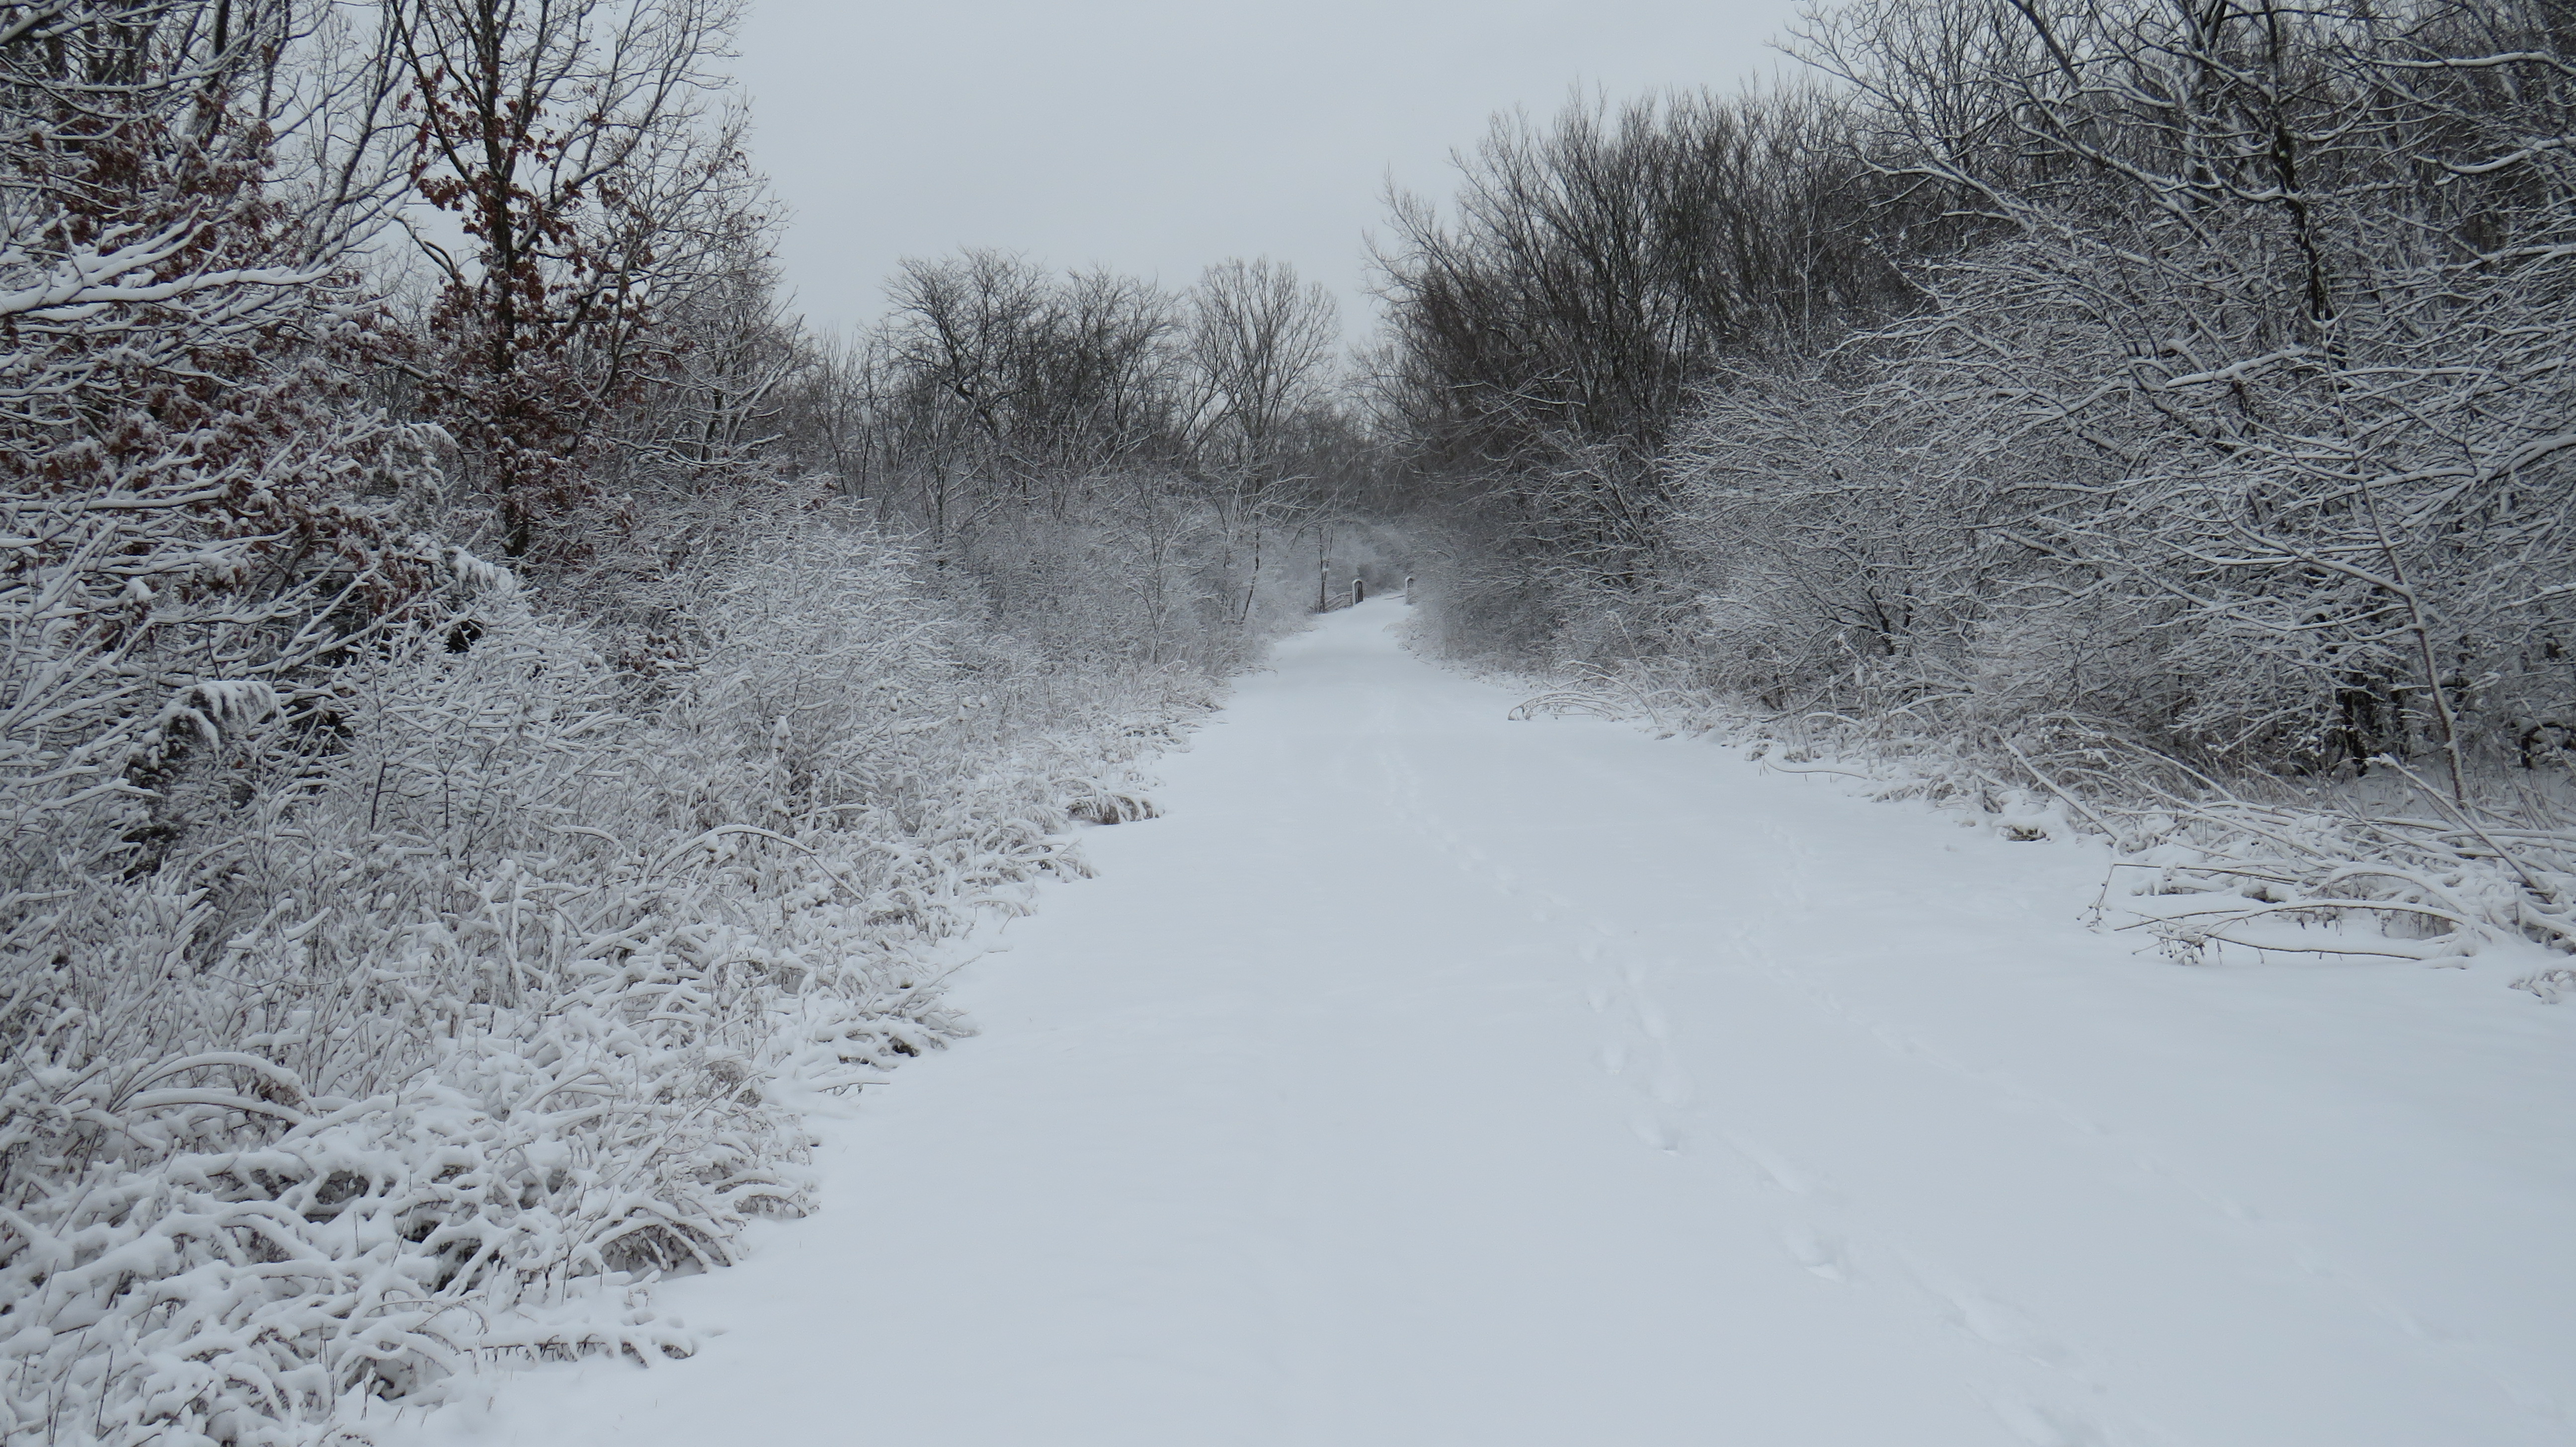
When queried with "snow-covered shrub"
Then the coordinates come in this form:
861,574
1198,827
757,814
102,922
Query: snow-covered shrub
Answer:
399,968
2214,471
482,987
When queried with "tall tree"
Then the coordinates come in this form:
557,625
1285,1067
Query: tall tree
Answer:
577,143
1262,343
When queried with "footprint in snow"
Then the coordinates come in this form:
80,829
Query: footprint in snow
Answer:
1817,1252
1658,1134
2045,1424
2007,1327
1779,1172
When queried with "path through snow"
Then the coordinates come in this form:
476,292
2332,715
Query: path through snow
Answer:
1426,1078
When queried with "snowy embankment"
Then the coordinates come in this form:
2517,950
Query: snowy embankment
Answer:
1428,1077
2379,864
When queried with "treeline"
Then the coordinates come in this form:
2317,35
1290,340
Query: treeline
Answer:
1550,335
2174,395
491,709
1017,421
2192,372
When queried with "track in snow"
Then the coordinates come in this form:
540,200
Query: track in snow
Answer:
1426,1078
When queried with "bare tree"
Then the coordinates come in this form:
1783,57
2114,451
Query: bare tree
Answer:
579,145
1011,387
1261,350
1546,342
1263,346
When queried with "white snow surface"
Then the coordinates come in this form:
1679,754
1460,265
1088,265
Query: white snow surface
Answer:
1428,1078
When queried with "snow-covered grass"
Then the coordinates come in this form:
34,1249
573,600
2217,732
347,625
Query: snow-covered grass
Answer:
459,1000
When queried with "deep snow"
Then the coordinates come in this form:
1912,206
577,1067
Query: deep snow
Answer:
1428,1078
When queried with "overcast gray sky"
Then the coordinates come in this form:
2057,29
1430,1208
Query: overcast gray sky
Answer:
1156,136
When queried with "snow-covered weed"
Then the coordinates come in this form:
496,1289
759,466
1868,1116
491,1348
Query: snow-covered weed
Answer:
466,995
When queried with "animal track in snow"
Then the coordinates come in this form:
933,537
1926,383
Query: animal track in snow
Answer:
2046,1424
1998,1324
1641,1052
1658,1133
1818,1252
1779,1172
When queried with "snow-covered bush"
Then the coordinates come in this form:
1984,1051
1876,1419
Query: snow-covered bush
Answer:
2212,468
483,987
402,958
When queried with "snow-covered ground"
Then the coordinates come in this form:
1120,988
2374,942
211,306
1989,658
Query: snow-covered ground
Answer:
1427,1078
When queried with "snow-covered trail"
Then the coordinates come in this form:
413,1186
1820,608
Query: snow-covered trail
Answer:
1428,1078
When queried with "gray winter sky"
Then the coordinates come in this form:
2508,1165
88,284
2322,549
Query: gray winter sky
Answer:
1156,136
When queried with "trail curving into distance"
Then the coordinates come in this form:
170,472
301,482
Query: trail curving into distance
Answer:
1429,1078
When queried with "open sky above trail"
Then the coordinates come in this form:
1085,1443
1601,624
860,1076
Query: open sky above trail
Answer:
1156,136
